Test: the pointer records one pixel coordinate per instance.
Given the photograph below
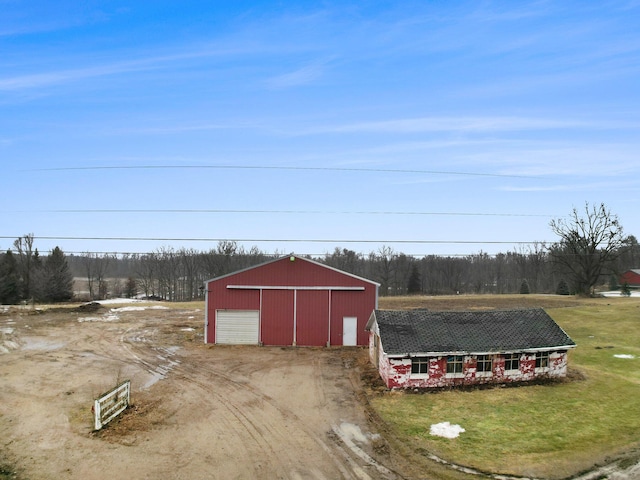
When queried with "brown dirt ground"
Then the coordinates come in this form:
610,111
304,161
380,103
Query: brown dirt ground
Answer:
198,411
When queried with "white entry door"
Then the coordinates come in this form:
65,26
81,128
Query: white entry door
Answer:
349,330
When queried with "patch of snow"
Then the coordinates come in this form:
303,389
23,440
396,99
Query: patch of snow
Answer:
112,301
446,430
6,330
159,372
353,432
104,318
155,378
40,344
188,329
347,432
624,355
616,293
128,309
139,308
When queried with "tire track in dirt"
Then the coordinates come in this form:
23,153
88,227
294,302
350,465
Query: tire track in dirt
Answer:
352,454
283,459
264,433
346,462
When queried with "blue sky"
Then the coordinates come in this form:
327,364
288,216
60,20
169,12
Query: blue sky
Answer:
431,127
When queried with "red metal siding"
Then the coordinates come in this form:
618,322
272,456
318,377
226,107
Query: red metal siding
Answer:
315,305
297,273
277,317
630,277
358,304
312,318
220,298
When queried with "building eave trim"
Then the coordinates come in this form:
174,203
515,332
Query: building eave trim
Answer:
490,352
294,287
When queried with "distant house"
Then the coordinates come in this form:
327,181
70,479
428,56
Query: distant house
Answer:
425,349
631,277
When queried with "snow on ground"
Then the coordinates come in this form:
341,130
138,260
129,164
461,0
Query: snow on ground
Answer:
120,301
446,430
103,318
616,293
624,355
139,309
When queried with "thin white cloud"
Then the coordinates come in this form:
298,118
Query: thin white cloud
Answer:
560,159
64,76
622,185
451,124
301,76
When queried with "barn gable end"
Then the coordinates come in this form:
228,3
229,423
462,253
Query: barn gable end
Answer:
295,301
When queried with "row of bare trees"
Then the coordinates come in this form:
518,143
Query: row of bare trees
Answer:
592,249
166,273
179,275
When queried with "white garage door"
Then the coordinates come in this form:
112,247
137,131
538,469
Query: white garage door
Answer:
236,327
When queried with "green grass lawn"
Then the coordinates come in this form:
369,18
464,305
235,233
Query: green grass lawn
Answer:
553,430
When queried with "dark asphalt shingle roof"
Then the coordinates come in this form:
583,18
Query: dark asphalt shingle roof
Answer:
421,331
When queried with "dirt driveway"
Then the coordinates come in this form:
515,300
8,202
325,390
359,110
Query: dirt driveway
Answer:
198,411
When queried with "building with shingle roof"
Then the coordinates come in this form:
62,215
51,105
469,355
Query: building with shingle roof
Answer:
425,349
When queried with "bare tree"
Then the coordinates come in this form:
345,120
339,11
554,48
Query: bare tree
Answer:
190,277
589,245
346,260
630,255
384,261
453,271
96,271
146,271
24,247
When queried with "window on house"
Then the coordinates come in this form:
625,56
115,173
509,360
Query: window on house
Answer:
485,363
542,359
419,365
512,361
455,363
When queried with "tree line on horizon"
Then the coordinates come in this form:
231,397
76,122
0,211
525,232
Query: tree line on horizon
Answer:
592,250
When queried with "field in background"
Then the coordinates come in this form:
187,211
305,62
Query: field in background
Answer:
551,431
478,302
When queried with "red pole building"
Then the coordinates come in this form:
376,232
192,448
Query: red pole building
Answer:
289,301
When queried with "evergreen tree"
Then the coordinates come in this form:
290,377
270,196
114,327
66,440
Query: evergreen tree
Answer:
626,290
58,281
9,279
613,282
524,287
131,288
415,283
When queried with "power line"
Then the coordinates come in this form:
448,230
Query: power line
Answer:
259,167
284,240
